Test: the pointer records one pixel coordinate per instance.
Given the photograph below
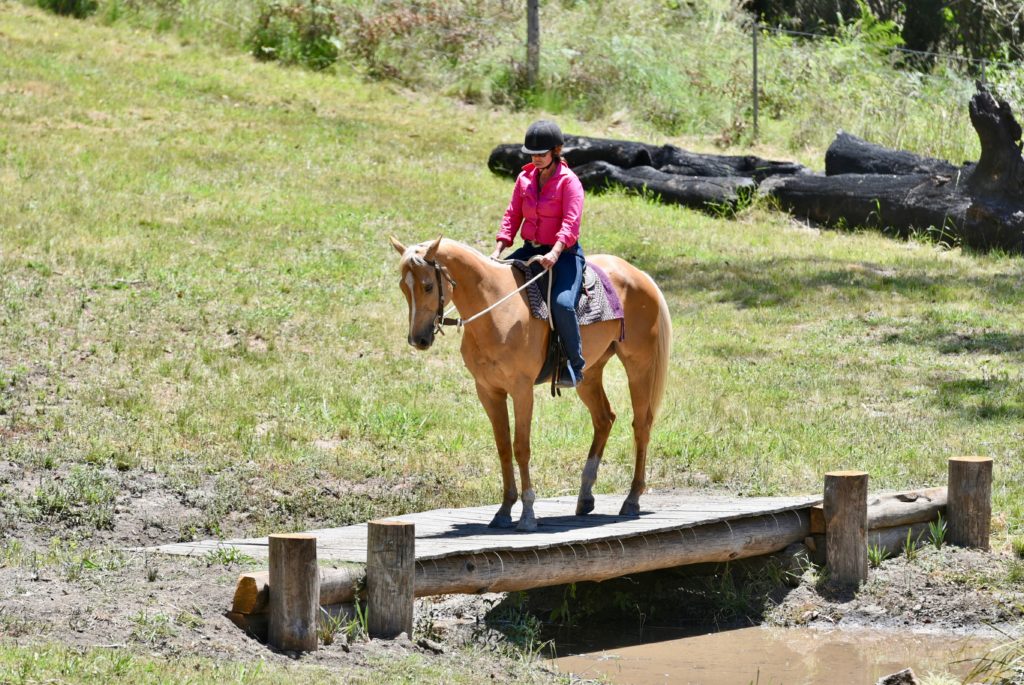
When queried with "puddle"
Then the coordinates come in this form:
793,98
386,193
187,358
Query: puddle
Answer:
769,656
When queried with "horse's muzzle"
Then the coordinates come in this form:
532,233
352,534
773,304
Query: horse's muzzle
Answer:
422,341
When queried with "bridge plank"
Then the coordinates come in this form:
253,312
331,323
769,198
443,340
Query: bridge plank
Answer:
449,532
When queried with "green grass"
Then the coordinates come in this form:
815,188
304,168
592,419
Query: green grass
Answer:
196,289
47,664
202,287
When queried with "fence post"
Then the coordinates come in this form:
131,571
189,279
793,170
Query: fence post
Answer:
532,42
390,577
846,526
969,501
294,592
756,26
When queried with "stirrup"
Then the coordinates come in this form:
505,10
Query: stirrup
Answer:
570,379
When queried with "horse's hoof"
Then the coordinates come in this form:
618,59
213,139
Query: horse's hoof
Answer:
501,521
630,509
527,525
584,506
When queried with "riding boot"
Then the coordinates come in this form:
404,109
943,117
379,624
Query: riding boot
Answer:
566,291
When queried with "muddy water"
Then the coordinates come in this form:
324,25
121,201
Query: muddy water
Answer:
769,656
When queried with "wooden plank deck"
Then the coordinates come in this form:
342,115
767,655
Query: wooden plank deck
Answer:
453,532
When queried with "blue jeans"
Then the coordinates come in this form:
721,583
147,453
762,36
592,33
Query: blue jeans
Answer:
565,293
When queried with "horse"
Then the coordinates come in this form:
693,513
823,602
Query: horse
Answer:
504,351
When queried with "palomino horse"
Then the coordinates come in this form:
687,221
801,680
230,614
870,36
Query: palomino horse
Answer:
505,349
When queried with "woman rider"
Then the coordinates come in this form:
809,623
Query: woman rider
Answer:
546,207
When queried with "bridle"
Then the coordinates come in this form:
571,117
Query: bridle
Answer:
442,319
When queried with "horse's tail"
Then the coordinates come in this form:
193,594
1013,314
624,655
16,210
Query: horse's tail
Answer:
661,353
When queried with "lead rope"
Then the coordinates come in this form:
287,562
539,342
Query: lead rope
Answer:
459,323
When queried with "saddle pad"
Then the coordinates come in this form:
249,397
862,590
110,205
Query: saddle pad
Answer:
598,299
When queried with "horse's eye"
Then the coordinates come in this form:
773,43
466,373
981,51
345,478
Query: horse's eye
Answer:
429,288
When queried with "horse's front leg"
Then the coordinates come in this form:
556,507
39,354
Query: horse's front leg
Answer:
522,403
496,406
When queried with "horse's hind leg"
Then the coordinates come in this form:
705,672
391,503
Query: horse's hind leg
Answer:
641,377
495,405
591,392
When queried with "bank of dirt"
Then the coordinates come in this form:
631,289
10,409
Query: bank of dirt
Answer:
64,581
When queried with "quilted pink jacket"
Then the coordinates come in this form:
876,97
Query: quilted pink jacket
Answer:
546,216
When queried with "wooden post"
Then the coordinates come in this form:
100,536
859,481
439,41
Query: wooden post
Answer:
295,598
969,501
846,526
390,577
532,42
757,27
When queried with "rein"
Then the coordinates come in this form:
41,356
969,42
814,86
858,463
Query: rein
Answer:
442,319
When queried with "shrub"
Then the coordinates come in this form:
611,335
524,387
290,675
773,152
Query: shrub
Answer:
297,32
70,8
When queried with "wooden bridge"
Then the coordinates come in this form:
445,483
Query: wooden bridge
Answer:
453,550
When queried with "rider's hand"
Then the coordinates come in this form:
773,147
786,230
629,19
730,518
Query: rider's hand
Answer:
548,260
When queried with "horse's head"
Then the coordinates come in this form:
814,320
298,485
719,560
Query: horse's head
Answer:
427,288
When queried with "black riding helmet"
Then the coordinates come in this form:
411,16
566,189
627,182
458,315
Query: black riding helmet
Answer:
542,136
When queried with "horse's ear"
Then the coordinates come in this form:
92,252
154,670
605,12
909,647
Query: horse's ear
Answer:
397,245
432,250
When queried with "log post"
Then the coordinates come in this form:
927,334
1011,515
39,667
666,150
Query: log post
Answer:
390,577
846,526
969,502
295,599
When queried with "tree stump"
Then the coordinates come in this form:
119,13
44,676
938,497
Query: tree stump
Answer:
390,577
295,598
846,526
969,502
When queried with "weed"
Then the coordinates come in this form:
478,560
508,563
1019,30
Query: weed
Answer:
877,554
910,545
226,556
1017,545
152,629
331,625
358,627
937,532
562,614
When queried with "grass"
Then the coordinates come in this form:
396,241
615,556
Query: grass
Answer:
196,289
202,289
63,664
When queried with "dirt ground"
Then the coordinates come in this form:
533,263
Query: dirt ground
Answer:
68,583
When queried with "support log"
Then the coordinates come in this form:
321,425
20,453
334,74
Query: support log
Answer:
390,577
893,540
846,526
337,586
894,509
970,501
509,571
294,610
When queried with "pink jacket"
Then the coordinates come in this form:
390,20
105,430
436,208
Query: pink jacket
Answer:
548,216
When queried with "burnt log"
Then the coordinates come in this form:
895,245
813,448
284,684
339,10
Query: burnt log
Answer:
849,154
673,160
902,203
700,192
508,160
1000,170
980,206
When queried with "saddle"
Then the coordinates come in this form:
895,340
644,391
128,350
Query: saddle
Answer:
598,302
